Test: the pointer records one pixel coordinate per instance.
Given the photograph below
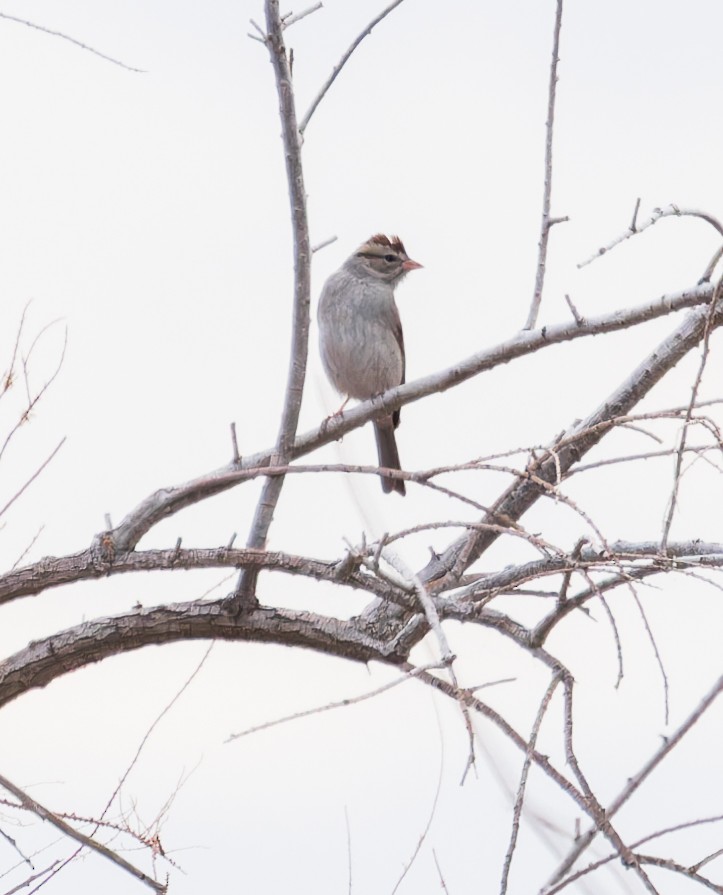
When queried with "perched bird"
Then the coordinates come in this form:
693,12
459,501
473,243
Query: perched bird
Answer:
360,334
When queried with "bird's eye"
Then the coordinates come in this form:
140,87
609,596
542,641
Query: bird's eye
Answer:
389,258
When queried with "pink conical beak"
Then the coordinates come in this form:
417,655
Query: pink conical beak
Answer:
411,265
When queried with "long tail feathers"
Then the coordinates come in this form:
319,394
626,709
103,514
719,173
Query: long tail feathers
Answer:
388,456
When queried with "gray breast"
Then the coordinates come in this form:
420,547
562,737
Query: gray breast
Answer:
357,324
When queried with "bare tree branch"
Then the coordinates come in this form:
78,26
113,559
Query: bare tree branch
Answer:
4,15
302,291
519,799
672,505
291,18
583,841
600,816
44,660
342,62
32,478
658,214
99,562
547,221
521,495
590,868
45,814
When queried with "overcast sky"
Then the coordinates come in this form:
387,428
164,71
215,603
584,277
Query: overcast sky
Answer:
147,214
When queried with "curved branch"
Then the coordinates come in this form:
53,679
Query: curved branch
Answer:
658,214
45,660
342,62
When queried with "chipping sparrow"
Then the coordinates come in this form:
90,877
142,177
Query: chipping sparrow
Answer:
360,334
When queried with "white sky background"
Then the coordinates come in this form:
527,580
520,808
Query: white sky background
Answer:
149,213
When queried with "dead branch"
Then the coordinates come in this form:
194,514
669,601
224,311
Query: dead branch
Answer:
86,841
342,62
283,451
547,221
72,40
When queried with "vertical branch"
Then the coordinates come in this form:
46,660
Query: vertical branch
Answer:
678,471
302,288
596,811
547,221
529,752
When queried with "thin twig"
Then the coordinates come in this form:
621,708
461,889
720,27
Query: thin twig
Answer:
291,18
519,799
656,651
547,222
12,843
234,444
699,449
27,549
72,40
600,816
432,813
32,478
658,214
323,244
708,272
8,378
342,703
22,886
442,883
260,33
688,872
579,319
348,847
342,62
156,722
584,839
595,865
673,502
33,399
707,859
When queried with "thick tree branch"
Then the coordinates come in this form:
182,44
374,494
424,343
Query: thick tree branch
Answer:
45,660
